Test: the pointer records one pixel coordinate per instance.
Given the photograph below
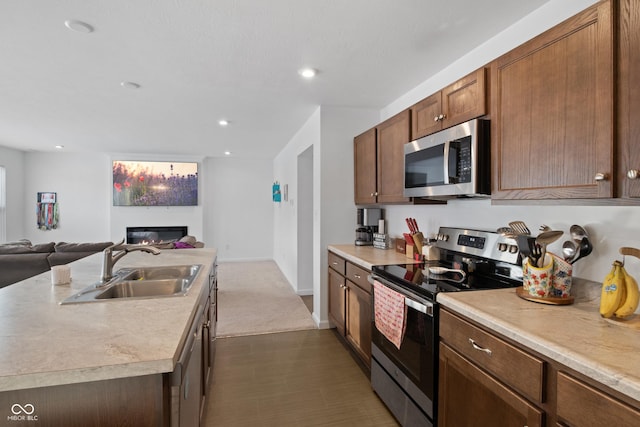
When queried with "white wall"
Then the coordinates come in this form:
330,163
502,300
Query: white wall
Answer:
610,227
238,215
329,130
234,214
82,184
13,161
285,248
552,13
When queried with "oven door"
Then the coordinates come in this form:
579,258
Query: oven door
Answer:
418,352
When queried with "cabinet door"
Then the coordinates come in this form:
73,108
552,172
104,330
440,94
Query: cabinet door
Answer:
392,135
552,112
364,153
465,99
425,116
470,397
337,307
629,99
584,406
359,321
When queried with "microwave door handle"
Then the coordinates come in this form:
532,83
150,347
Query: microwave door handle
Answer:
446,162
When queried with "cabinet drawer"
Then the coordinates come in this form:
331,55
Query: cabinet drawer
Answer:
337,263
582,405
358,275
511,365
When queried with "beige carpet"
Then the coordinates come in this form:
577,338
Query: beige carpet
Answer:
255,298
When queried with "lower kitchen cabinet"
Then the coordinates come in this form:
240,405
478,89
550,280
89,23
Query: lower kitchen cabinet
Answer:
580,404
350,307
469,396
484,380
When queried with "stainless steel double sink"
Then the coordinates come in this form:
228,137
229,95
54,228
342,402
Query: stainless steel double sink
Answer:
142,282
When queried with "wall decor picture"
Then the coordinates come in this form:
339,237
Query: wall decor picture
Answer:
47,211
138,183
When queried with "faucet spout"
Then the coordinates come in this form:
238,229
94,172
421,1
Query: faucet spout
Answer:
110,257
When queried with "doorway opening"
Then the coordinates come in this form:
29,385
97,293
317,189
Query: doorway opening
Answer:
305,225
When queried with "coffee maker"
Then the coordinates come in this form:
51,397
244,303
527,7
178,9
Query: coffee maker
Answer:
367,224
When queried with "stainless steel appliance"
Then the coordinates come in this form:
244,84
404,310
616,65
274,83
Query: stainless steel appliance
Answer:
451,163
367,224
406,378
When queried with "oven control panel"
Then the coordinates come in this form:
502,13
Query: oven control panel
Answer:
486,244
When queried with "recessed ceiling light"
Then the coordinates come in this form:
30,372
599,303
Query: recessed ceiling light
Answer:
78,26
223,122
308,73
227,153
130,85
59,147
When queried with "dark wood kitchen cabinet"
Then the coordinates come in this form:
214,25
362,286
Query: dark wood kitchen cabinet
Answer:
469,396
379,161
459,102
337,292
365,168
485,379
552,122
582,405
350,306
628,96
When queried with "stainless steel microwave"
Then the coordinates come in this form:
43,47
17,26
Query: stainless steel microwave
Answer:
454,162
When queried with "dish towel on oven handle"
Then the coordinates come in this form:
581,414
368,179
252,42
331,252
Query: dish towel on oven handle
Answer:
390,313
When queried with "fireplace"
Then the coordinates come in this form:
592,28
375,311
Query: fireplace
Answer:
145,235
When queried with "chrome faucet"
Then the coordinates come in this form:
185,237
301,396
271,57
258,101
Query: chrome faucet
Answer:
109,258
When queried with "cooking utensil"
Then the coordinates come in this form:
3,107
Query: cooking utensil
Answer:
409,224
535,254
415,225
519,227
585,249
506,232
570,250
546,238
578,233
524,244
544,227
442,270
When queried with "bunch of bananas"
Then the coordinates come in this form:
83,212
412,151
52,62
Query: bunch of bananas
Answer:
620,296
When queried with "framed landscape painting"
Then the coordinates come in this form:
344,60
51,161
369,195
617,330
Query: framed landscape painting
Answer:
138,183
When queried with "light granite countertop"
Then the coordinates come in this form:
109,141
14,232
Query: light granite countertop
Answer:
43,343
608,351
368,256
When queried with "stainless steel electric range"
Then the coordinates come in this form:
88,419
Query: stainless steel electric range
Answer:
406,378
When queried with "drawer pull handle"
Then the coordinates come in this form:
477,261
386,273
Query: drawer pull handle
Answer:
334,263
479,348
357,276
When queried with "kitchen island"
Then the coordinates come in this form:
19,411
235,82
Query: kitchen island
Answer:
45,346
582,355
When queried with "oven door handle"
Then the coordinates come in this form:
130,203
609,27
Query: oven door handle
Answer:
410,299
428,310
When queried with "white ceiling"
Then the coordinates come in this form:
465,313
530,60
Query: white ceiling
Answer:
198,61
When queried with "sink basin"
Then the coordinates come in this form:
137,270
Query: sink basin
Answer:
142,282
158,273
146,288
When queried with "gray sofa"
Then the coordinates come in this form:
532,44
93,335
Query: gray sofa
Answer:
21,260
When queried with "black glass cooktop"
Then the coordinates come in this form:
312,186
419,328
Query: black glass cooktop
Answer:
416,277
